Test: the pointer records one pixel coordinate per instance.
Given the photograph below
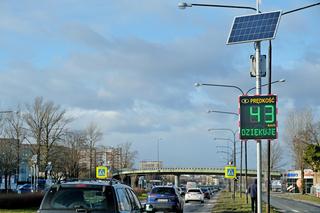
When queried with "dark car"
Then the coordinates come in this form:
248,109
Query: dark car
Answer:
25,188
206,192
164,198
90,196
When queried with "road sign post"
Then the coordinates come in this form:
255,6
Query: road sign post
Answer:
101,172
230,172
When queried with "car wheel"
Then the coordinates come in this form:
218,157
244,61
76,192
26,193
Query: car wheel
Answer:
202,201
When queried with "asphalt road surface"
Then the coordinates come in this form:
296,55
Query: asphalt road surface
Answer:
286,205
198,207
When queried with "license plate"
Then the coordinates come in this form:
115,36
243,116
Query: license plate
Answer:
162,200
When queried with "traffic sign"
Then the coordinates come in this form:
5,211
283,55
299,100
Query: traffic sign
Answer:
101,172
258,117
230,172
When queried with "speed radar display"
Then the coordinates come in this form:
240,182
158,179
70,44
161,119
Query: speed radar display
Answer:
258,117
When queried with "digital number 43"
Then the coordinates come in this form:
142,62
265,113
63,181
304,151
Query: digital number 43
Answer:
267,113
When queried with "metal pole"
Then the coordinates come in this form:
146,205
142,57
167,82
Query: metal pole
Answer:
35,178
158,154
234,163
241,170
269,141
31,172
246,168
258,91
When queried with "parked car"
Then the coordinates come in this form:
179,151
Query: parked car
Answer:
164,198
181,191
194,194
90,196
206,192
25,188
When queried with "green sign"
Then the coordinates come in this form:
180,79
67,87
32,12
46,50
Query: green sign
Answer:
258,117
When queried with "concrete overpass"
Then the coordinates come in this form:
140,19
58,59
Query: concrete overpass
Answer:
124,174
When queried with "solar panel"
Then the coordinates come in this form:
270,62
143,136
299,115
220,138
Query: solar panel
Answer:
257,27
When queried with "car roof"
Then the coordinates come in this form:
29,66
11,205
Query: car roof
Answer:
164,187
194,189
92,182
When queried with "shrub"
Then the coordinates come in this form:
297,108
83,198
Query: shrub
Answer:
20,201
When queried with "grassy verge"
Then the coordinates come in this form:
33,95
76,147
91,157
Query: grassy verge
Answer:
295,196
225,204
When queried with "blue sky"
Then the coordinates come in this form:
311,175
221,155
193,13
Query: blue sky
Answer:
130,66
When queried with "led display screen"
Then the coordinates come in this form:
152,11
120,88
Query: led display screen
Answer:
258,117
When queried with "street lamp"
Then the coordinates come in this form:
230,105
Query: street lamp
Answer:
220,85
267,84
234,152
236,87
158,153
184,5
229,148
223,112
246,165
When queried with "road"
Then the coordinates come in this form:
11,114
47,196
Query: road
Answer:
205,207
286,205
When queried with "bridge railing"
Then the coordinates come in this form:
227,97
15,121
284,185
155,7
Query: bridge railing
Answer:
219,171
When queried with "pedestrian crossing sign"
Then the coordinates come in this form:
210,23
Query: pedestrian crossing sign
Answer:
230,172
101,172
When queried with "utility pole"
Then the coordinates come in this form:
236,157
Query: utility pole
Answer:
258,92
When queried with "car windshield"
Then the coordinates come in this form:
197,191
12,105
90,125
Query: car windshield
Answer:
162,190
194,190
204,189
85,196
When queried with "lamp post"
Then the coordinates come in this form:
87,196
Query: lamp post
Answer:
236,87
184,5
229,156
158,153
223,112
229,148
246,183
234,152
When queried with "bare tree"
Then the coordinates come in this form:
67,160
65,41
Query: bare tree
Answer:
54,126
127,155
13,128
276,158
46,123
299,132
93,135
34,118
74,141
8,159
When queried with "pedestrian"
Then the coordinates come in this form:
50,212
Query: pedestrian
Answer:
253,194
